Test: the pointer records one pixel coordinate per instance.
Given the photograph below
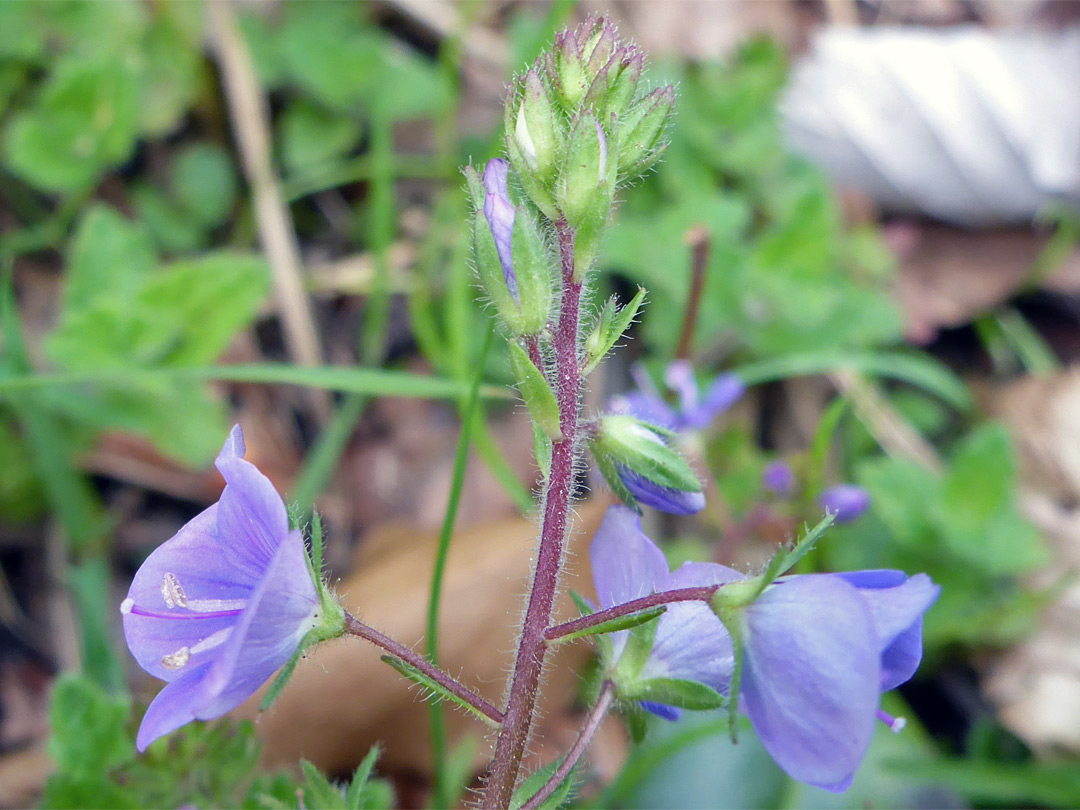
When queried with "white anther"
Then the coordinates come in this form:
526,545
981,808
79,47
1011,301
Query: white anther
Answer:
211,641
127,605
172,592
177,659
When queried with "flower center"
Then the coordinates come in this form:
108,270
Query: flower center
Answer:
180,606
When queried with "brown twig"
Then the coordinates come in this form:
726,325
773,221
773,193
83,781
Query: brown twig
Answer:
251,128
698,240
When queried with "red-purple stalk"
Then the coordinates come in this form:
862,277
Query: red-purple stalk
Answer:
704,593
529,662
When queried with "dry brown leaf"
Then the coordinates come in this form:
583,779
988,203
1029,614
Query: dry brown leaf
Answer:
1036,684
343,699
22,776
948,276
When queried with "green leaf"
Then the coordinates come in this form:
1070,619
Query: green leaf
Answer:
436,689
312,137
320,791
675,692
610,327
108,254
88,728
543,449
635,655
171,69
618,623
172,228
534,389
83,122
536,780
203,182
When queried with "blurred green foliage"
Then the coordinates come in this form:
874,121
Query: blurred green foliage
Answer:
205,765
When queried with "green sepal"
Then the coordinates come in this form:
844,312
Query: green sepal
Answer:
732,622
684,694
626,622
606,465
584,193
534,189
637,651
641,447
532,266
542,447
475,187
538,396
537,127
489,269
434,688
637,721
536,780
734,596
610,326
641,132
571,71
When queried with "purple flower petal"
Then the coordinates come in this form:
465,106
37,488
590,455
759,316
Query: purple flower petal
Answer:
724,391
223,604
625,563
845,501
693,645
811,677
679,377
897,604
666,499
500,213
647,409
779,479
671,713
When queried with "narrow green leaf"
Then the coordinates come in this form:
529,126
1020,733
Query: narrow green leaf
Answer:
537,780
918,370
534,389
611,326
355,794
679,692
318,790
638,649
281,679
436,689
620,623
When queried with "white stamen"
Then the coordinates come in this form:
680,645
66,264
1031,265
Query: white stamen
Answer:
127,605
171,591
897,725
177,659
214,605
211,641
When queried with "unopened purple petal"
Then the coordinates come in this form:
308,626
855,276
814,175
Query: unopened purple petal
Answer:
779,479
171,709
666,499
671,713
625,563
811,677
499,212
845,501
896,607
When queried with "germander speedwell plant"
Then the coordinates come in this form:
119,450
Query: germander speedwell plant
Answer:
233,597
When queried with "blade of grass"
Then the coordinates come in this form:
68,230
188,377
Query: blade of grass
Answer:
440,791
918,370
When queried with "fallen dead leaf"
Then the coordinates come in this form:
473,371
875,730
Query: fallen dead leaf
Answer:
343,699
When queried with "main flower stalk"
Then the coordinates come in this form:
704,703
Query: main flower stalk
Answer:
529,662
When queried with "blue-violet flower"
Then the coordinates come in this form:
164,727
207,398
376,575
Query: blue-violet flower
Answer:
845,501
691,643
223,604
779,479
693,411
818,649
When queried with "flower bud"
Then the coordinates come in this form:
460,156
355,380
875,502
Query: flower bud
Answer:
584,193
537,130
846,502
640,133
640,466
779,479
493,223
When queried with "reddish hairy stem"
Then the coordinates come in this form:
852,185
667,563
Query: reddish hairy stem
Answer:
701,594
358,628
588,731
529,662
